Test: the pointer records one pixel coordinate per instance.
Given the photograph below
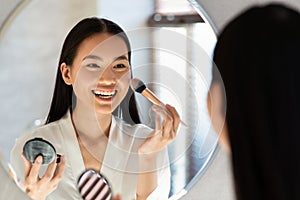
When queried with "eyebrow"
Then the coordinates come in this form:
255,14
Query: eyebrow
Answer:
92,57
123,57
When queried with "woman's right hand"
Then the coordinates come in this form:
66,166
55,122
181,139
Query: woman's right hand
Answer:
38,188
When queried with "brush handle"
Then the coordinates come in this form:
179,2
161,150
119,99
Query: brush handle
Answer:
148,94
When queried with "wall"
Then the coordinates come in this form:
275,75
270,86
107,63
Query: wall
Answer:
28,71
221,11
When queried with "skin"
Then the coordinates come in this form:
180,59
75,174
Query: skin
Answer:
164,133
103,68
215,103
38,188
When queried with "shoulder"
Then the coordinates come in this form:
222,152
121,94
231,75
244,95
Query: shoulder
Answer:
42,131
50,132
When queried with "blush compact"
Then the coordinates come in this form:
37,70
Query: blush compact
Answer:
38,146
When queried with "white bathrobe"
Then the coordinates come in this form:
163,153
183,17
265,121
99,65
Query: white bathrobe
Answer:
120,164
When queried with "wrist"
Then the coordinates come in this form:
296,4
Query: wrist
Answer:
147,162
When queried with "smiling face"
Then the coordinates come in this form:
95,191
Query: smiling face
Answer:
100,73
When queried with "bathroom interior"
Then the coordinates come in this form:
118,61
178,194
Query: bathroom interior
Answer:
172,46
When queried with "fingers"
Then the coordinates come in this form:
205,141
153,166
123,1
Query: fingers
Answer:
160,119
40,188
49,172
54,172
166,124
33,174
175,117
167,130
27,164
158,123
170,123
59,171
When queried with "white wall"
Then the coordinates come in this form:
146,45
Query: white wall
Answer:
29,53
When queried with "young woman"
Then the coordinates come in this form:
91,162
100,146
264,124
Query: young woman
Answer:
92,83
257,55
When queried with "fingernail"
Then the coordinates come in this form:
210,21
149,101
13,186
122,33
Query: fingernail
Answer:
62,158
39,159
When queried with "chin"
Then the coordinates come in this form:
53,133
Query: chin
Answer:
104,110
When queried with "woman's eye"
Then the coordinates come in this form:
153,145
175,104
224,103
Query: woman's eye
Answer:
93,65
120,66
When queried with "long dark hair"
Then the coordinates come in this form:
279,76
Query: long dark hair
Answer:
257,55
62,97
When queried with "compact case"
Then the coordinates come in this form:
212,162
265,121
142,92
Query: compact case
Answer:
38,146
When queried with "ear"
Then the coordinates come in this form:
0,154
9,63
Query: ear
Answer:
66,73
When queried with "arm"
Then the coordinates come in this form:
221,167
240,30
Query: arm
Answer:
147,181
164,133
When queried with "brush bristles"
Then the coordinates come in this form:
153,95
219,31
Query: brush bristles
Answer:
137,85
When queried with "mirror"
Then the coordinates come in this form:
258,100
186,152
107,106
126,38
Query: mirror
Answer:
7,177
30,43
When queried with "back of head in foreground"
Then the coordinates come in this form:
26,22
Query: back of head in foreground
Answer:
257,55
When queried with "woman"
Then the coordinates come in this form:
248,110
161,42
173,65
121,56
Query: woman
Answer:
257,55
92,82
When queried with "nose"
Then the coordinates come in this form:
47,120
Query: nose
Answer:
107,76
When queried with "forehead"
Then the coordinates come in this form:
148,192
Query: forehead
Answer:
103,44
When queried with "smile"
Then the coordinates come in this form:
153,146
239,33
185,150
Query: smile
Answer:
106,94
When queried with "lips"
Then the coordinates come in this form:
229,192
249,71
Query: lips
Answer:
104,94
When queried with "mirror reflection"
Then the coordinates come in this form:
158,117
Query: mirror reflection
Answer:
29,51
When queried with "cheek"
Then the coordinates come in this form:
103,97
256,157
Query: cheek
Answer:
88,76
84,79
208,103
215,105
124,80
123,86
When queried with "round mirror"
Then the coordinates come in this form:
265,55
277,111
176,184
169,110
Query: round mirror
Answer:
174,61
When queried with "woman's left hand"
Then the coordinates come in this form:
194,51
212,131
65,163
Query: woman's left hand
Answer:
166,126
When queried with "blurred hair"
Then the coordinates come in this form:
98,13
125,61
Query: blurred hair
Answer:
257,55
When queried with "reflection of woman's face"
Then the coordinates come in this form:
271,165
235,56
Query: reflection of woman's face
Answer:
101,73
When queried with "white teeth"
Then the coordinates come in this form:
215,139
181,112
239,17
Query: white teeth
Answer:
105,94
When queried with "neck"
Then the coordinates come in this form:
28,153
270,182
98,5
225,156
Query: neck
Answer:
90,124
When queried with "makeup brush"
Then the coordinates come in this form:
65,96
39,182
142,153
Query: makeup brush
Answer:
138,86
